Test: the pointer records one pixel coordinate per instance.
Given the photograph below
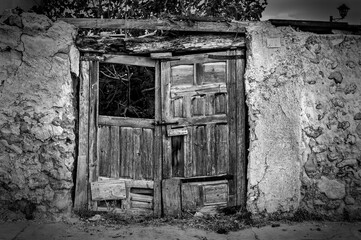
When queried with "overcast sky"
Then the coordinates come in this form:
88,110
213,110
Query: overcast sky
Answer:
319,10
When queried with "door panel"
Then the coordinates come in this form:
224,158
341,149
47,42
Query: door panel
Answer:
199,103
195,96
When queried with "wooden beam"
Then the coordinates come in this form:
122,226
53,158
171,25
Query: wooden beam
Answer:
125,122
188,43
153,24
81,184
129,60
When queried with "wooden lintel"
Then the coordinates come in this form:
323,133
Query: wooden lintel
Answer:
154,24
188,43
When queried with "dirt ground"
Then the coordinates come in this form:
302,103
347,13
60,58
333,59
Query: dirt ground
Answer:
165,229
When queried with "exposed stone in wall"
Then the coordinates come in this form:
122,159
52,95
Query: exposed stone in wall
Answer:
37,118
305,149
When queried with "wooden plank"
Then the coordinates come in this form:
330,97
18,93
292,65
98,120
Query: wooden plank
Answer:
220,103
222,148
104,151
126,155
171,196
81,184
177,107
232,126
215,194
136,172
147,152
130,183
178,91
114,151
157,154
186,43
166,116
126,122
108,190
198,105
137,204
241,187
197,58
153,24
93,126
129,60
191,197
199,149
189,164
210,140
141,197
171,132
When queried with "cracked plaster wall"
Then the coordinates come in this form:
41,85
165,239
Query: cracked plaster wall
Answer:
37,114
305,121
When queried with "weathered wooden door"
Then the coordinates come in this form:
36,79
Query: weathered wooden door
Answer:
203,137
124,153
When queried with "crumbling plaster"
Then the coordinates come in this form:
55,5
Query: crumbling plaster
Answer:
303,99
37,114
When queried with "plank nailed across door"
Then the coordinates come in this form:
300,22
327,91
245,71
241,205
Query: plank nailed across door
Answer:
108,190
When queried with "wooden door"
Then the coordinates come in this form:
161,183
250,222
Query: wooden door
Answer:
203,119
124,153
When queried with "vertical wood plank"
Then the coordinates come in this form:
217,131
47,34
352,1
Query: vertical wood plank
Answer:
147,145
232,121
172,196
126,144
104,151
199,76
136,172
81,185
93,127
222,148
165,115
210,140
199,141
158,155
189,165
241,187
114,152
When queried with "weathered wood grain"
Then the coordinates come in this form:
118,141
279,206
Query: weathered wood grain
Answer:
93,127
157,154
104,151
153,24
129,60
241,187
81,189
103,190
147,152
114,151
126,122
136,172
171,196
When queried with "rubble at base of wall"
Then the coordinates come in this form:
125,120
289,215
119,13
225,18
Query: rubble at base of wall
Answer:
37,116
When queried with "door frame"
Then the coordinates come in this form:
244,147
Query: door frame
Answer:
87,167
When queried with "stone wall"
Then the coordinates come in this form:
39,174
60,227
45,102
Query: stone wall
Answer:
37,114
303,93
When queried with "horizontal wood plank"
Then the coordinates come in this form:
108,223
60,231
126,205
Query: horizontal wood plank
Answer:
126,122
129,60
108,190
141,197
189,43
130,182
154,24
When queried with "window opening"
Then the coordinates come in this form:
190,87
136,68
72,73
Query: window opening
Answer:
126,90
